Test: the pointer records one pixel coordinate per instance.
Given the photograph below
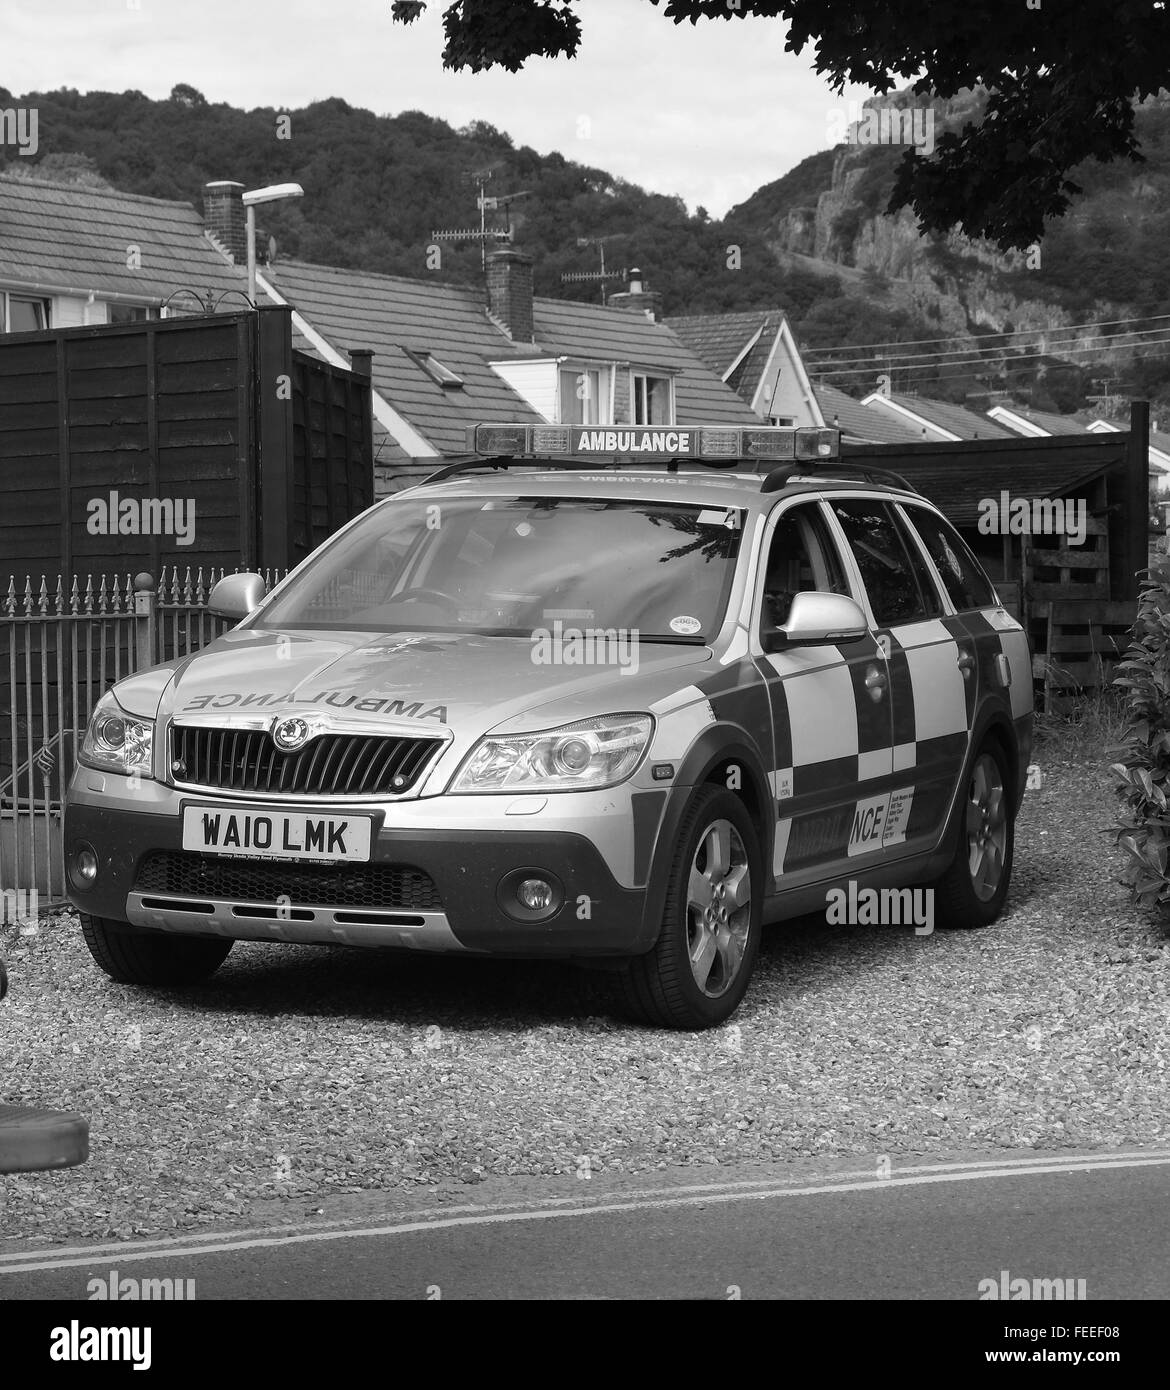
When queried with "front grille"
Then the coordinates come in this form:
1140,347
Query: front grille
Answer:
247,760
183,874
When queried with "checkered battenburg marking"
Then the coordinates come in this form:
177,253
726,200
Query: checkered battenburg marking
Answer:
919,728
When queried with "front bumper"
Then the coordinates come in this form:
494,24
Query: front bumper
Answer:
594,847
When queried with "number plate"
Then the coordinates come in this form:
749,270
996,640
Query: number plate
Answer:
277,834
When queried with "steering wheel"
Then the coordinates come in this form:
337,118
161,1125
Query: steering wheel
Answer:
432,595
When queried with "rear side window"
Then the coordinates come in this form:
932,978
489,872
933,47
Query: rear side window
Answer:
961,573
887,570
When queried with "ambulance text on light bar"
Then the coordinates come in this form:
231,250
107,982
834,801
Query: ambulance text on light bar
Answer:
714,442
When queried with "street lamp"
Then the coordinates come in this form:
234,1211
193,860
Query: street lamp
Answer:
272,194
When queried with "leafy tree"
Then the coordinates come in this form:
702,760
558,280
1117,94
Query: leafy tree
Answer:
186,95
1060,84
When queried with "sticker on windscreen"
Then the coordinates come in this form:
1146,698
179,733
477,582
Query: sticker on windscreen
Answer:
686,627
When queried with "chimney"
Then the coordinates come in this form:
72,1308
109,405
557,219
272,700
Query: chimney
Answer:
509,293
223,216
637,299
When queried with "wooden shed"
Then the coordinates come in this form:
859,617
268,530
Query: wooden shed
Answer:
1078,601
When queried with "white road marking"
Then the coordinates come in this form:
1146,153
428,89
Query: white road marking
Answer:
26,1261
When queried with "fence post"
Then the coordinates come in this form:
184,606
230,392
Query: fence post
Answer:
145,622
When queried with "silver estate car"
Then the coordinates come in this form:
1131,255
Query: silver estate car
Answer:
545,706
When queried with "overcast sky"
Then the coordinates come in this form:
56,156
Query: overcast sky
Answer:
709,113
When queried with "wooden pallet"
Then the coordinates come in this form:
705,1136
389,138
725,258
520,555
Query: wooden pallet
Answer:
1083,639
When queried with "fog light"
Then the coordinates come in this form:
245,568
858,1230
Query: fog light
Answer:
535,894
84,866
530,894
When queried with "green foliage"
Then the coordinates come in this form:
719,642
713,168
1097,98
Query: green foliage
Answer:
1142,766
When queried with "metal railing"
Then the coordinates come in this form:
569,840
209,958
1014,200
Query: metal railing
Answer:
59,653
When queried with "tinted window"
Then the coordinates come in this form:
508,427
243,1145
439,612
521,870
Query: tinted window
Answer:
894,592
802,558
965,581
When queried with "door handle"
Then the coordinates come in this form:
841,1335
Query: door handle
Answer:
966,664
875,683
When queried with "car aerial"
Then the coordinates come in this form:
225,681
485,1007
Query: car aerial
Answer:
613,695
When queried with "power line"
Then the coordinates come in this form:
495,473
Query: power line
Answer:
1013,333
1050,350
1007,362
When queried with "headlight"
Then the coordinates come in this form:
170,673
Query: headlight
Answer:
116,741
576,757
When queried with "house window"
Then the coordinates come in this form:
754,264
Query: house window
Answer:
782,419
651,400
19,314
132,313
581,396
440,375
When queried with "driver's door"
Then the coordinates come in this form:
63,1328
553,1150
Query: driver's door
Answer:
831,723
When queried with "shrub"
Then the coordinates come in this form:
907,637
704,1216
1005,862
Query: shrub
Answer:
1142,768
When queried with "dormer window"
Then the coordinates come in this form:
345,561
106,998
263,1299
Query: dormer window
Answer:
585,395
440,375
651,399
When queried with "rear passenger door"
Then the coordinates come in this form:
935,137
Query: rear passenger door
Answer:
830,709
932,666
1002,659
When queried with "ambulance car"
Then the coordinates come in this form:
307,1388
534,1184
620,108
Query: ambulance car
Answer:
618,696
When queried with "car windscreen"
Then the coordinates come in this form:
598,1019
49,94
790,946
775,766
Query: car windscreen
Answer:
508,566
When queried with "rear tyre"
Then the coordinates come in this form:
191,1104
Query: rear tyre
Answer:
134,958
972,891
699,969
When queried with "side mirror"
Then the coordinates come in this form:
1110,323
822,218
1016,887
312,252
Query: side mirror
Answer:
237,595
818,620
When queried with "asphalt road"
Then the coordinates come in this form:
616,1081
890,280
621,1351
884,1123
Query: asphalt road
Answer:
928,1230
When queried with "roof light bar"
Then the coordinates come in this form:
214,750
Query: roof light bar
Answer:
714,442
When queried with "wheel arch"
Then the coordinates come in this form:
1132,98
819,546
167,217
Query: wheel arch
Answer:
708,762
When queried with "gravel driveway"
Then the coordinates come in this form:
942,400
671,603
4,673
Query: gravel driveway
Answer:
300,1072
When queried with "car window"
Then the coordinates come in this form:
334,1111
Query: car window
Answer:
801,558
931,598
895,594
961,573
507,565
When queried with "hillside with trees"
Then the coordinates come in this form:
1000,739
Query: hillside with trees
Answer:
376,187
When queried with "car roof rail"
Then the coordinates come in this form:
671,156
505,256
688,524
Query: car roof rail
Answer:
780,477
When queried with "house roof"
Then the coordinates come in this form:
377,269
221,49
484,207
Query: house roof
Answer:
857,421
955,419
958,476
389,314
1044,420
64,237
735,346
718,339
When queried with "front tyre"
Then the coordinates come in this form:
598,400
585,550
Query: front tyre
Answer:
699,969
134,958
972,891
